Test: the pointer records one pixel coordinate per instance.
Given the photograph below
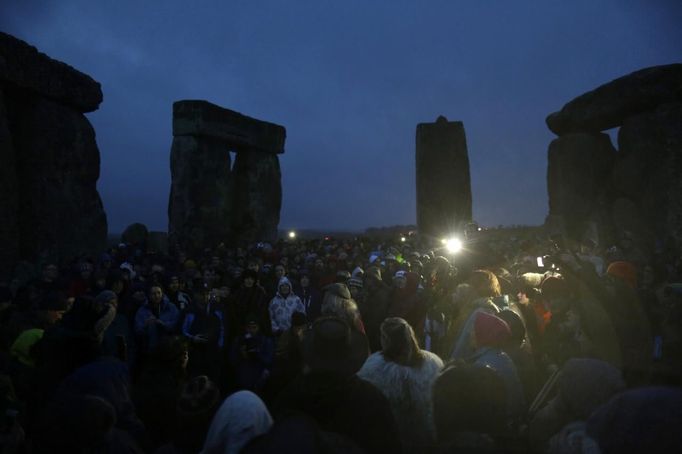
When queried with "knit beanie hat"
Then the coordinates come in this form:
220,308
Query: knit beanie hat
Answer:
625,271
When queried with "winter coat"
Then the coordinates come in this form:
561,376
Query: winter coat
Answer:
251,358
107,378
282,308
374,310
312,301
501,363
246,301
408,390
349,406
150,333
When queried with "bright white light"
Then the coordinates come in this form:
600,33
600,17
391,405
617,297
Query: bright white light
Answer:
479,229
444,241
403,239
454,245
292,235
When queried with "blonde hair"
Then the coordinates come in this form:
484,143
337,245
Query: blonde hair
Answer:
485,283
399,344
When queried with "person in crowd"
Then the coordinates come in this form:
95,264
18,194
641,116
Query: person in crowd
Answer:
282,306
250,298
491,333
196,407
241,418
470,410
330,392
310,296
405,375
156,392
374,308
204,328
83,282
180,299
337,302
251,356
157,318
520,352
118,340
582,386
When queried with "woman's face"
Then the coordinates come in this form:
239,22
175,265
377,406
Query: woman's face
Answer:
284,289
155,295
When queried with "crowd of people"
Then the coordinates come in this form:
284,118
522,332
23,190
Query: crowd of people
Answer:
390,345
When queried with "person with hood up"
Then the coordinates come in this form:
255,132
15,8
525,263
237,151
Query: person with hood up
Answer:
491,334
405,374
241,418
329,391
282,307
157,318
583,385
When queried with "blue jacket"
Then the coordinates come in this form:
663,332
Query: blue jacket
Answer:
167,321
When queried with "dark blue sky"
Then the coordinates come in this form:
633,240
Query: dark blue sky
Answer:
349,80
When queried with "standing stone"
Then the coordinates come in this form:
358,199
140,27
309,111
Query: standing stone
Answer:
577,178
200,198
443,181
257,196
9,195
209,202
653,141
49,158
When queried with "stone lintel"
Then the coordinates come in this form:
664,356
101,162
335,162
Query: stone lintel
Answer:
23,66
201,118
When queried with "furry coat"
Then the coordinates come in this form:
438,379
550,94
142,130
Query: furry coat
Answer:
408,390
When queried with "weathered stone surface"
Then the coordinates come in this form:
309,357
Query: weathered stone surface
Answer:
443,181
60,213
203,119
577,177
610,104
200,200
653,142
257,196
23,66
135,234
9,195
157,242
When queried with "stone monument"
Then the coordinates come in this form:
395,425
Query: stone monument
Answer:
49,204
443,181
212,200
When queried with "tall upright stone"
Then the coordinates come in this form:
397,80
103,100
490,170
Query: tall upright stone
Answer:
49,160
443,181
637,189
212,201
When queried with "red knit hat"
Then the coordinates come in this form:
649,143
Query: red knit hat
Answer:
490,330
625,271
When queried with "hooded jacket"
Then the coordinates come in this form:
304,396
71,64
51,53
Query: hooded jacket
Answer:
241,418
281,307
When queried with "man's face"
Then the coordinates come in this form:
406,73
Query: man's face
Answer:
249,281
284,289
522,297
279,271
319,265
155,295
174,285
253,266
252,329
305,281
50,273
